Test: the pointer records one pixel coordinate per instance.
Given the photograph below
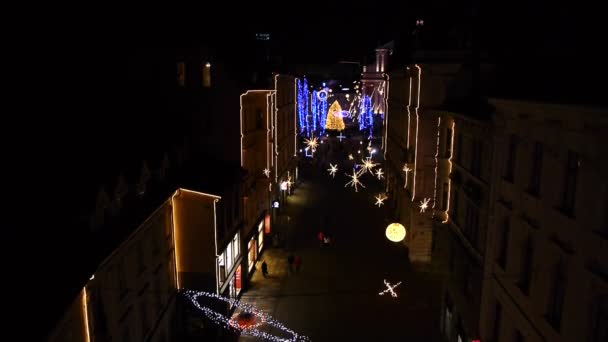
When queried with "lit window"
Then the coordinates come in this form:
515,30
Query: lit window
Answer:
207,75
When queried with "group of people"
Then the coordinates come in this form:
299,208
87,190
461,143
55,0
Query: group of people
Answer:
294,263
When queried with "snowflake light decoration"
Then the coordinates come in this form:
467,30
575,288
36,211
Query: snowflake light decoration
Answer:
424,204
379,173
354,180
368,166
333,169
390,288
350,156
406,169
380,200
267,172
312,143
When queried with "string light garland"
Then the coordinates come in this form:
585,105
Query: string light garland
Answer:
233,324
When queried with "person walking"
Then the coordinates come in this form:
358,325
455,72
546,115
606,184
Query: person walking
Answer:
298,263
321,236
264,269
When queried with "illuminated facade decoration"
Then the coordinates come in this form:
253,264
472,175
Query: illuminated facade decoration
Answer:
390,289
354,180
379,174
333,169
424,204
380,198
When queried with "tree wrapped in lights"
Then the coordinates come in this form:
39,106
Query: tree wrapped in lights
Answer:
334,117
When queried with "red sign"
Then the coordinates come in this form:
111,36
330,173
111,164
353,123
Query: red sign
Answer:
267,224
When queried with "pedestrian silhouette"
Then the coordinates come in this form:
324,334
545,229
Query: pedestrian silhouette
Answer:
264,269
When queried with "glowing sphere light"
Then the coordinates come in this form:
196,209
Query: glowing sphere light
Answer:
395,232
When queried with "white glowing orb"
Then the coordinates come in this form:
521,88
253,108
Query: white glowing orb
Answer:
395,232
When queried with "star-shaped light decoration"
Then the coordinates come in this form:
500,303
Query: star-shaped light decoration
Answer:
424,204
380,200
350,157
368,166
341,137
379,173
267,172
354,180
390,288
333,169
312,143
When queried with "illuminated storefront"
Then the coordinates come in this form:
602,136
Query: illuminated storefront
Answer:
260,236
228,266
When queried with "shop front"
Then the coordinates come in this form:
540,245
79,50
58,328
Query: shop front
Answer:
229,268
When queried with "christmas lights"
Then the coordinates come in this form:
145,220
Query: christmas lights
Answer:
424,204
407,170
367,166
233,324
380,200
379,174
333,169
267,172
312,143
354,180
390,288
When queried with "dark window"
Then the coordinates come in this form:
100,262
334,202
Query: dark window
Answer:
511,158
259,120
504,243
537,165
468,281
569,194
556,296
448,143
525,271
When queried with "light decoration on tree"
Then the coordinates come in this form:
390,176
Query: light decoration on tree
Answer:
314,106
267,172
323,112
390,289
379,174
302,112
233,325
334,117
333,169
380,200
424,204
354,180
395,232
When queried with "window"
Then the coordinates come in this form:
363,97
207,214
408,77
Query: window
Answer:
569,194
448,143
556,296
511,158
497,322
525,271
229,258
476,160
537,164
504,243
207,75
181,74
599,316
259,119
236,246
222,267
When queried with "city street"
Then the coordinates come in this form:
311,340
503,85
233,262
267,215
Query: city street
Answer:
335,296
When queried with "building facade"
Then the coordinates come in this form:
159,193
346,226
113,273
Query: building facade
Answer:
284,138
547,266
131,296
256,123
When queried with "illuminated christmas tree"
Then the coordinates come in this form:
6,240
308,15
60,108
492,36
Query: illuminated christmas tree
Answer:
334,117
